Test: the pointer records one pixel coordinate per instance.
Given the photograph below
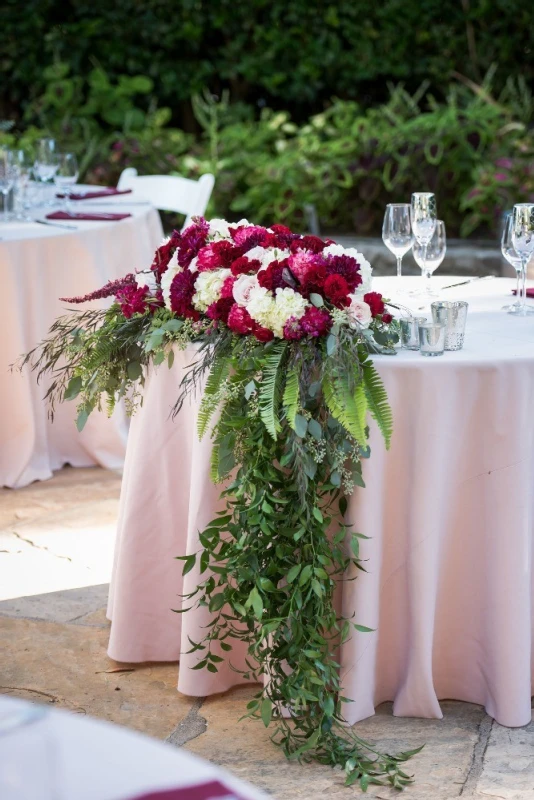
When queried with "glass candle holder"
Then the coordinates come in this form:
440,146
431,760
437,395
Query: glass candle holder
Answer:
453,314
409,332
432,338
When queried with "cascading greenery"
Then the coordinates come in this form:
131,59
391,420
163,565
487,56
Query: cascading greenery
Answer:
288,422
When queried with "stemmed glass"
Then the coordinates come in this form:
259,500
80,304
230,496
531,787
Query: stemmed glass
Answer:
7,177
523,242
66,176
423,215
429,256
46,162
397,231
509,253
22,168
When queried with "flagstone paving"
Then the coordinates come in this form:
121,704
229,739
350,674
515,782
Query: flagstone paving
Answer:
56,545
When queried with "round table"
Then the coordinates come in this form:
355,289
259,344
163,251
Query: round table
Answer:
449,509
87,759
38,264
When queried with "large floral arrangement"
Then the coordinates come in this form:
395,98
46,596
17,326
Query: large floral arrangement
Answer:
284,326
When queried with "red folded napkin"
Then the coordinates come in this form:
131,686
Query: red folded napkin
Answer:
530,292
202,791
110,192
75,215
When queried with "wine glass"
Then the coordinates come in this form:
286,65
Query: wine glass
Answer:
46,162
66,176
397,231
22,167
7,177
509,253
423,215
523,242
429,256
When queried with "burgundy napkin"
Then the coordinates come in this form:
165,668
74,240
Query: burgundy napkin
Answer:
530,292
111,192
75,215
202,791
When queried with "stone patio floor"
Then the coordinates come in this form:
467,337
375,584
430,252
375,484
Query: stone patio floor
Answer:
56,548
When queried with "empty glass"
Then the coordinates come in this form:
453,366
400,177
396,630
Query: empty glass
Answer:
409,332
66,176
423,216
7,178
432,338
523,242
429,256
509,252
397,231
46,162
453,314
22,167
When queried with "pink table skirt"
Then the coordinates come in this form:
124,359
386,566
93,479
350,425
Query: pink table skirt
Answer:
449,510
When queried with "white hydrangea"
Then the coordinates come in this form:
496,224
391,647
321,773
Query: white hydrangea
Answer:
260,305
167,278
208,287
147,278
288,303
366,270
219,229
266,256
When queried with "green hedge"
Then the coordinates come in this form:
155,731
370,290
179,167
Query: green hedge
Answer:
281,53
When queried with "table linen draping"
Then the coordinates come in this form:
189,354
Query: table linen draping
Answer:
94,760
38,264
449,509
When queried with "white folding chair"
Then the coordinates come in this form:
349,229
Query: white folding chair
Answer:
170,192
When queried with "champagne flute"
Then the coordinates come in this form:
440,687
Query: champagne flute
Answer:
509,253
22,167
46,162
397,231
423,215
66,176
429,256
7,177
523,242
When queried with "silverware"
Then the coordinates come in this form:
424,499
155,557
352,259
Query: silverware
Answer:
463,283
55,224
116,203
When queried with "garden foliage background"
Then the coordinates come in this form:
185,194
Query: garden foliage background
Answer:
341,105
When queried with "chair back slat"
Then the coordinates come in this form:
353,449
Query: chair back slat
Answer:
171,192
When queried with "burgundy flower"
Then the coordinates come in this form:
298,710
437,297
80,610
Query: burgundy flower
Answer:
316,321
227,288
132,299
311,243
242,266
249,235
192,240
387,318
220,309
262,334
217,255
293,329
375,303
336,290
314,279
164,254
302,262
111,288
181,292
282,230
272,277
239,320
347,267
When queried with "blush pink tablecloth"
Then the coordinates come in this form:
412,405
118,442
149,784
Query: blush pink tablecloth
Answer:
449,509
39,264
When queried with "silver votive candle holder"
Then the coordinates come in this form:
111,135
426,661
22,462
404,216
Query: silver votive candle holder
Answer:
432,338
453,314
409,332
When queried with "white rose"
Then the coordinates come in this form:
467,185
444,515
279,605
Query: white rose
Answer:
219,229
208,287
243,287
359,313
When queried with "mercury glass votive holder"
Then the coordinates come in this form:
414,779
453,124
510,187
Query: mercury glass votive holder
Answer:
453,314
409,332
432,338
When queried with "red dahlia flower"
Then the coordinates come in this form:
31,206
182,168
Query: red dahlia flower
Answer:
192,239
217,255
262,334
220,309
182,291
375,302
242,266
336,290
347,267
311,243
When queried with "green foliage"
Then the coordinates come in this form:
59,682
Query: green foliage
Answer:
377,400
271,387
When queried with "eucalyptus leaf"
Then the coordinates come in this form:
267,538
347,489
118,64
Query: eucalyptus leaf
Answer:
316,299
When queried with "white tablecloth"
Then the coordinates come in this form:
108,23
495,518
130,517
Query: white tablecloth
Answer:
94,760
39,264
449,509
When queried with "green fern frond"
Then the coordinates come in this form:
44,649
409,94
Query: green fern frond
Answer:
219,371
291,397
349,408
378,401
271,387
214,463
